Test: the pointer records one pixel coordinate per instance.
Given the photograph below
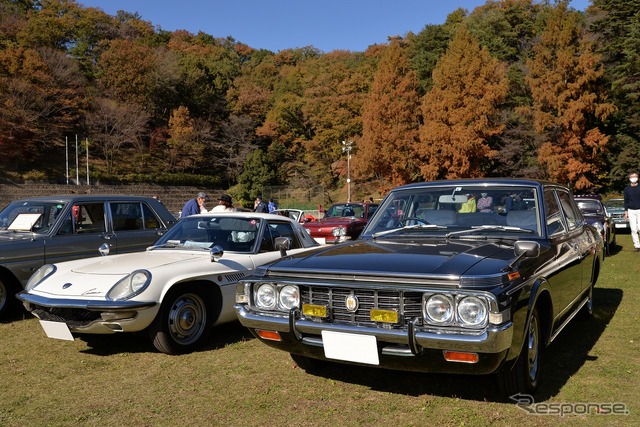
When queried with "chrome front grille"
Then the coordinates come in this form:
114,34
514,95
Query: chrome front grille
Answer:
408,304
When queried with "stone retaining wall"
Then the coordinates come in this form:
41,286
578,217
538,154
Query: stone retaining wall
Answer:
173,197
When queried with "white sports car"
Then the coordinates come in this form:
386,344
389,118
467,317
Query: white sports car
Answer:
177,289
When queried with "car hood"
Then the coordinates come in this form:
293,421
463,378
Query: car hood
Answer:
394,258
94,277
329,222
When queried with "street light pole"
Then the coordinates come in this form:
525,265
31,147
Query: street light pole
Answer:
348,146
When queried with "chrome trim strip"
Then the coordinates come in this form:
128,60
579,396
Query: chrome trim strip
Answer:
568,319
93,305
365,276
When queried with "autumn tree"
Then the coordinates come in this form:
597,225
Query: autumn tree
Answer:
184,147
390,121
567,106
116,128
461,111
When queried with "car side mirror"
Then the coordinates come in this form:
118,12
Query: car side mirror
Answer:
216,253
283,244
527,249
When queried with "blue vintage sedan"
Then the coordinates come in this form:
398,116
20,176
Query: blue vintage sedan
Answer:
465,276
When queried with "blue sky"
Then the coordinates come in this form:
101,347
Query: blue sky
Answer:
281,24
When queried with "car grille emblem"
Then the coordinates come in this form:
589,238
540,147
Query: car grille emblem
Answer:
66,285
351,303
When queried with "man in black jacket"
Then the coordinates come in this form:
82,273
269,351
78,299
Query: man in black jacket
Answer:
260,206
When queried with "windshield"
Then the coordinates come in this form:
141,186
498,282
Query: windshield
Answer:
589,205
232,233
31,216
615,203
348,210
469,210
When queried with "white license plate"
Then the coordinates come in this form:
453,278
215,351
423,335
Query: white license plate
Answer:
350,347
620,225
321,240
57,330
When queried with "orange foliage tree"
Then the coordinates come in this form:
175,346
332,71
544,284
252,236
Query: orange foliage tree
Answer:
567,105
390,121
461,111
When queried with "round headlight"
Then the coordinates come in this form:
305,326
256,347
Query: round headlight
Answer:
130,286
266,296
439,309
289,297
598,226
472,311
339,231
41,274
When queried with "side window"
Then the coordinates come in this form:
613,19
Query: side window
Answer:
126,216
88,218
150,218
278,229
570,210
554,215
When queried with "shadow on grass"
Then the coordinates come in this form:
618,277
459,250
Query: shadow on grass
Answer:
561,360
106,345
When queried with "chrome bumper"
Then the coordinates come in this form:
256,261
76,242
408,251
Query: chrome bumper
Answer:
86,304
494,339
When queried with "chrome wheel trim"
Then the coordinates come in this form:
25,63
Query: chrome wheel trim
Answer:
187,318
533,349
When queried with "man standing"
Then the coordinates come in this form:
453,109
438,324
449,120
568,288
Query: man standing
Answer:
632,208
194,206
260,206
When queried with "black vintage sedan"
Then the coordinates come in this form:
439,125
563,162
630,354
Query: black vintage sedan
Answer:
437,283
46,230
596,215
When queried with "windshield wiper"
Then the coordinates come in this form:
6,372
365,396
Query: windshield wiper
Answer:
408,227
477,228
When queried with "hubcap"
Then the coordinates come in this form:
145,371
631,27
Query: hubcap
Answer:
533,349
187,319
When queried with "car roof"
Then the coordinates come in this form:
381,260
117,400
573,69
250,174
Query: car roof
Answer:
479,181
87,197
244,215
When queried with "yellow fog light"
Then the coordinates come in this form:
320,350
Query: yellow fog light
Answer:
314,310
385,316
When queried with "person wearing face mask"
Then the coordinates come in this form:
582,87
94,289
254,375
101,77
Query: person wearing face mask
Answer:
632,208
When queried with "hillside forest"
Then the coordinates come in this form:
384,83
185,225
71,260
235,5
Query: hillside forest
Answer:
514,88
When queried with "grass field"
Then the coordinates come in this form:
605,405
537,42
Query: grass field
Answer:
237,381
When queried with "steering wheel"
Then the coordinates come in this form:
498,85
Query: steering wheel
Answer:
412,218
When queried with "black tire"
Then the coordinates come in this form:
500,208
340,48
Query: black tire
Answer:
524,376
184,321
8,302
587,310
308,364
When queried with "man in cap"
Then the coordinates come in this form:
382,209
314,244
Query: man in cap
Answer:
194,206
225,204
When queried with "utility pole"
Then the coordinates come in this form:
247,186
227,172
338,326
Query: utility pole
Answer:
348,146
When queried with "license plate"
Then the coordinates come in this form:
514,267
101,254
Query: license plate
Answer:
350,347
321,240
620,225
57,330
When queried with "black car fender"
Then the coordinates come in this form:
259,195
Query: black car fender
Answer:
535,293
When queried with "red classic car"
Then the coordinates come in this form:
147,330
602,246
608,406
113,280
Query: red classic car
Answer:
341,222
